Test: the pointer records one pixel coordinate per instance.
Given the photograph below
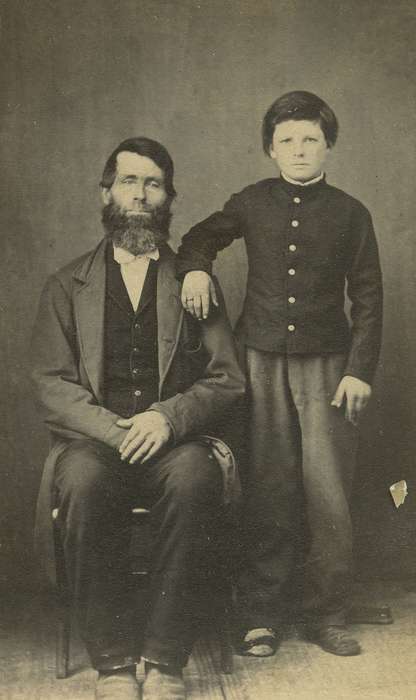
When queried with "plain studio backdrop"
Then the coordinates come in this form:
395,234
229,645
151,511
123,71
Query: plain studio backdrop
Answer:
79,76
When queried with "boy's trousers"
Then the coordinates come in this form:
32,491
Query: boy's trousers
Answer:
297,521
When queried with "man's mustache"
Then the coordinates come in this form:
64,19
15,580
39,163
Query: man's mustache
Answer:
144,209
160,215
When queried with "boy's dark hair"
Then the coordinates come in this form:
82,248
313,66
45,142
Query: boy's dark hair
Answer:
143,147
299,105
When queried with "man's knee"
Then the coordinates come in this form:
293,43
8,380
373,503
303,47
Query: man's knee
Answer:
82,470
196,476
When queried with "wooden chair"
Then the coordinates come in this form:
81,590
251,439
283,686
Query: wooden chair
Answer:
222,621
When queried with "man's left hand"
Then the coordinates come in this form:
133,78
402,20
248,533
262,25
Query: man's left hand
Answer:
148,433
356,394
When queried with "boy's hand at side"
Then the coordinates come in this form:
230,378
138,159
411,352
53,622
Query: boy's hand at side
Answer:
198,291
356,394
148,433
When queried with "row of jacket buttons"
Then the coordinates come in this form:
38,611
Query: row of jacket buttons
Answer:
292,247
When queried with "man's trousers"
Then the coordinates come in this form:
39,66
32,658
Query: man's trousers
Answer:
95,493
301,464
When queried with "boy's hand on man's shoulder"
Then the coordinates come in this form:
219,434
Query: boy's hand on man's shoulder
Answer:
198,291
356,395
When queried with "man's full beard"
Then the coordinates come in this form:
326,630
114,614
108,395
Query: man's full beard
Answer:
140,233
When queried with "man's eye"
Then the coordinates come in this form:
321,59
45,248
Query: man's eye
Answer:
285,140
310,138
154,184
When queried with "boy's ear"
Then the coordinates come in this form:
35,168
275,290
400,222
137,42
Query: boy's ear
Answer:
105,195
272,153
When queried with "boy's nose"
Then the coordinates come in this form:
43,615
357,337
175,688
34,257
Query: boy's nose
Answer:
299,149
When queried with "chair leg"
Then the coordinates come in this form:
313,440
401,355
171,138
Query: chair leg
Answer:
63,610
63,633
227,660
225,636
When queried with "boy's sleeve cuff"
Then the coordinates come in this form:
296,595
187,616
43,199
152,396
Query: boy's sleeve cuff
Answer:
366,377
194,265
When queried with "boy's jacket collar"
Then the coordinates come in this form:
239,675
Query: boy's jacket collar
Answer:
300,190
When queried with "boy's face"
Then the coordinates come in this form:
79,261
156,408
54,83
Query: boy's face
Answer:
299,149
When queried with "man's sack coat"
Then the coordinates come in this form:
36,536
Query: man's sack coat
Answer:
199,377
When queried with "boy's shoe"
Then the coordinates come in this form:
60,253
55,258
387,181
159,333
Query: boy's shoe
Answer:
120,685
334,639
162,684
259,642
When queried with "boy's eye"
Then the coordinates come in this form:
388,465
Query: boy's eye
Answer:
310,138
153,183
287,140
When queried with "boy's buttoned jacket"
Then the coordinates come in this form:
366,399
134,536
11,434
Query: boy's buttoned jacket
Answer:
305,246
199,376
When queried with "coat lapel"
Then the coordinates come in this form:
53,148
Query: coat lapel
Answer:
169,312
89,305
115,285
148,286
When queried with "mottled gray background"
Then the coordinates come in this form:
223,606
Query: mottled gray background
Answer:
79,76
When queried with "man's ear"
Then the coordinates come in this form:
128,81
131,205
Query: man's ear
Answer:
106,195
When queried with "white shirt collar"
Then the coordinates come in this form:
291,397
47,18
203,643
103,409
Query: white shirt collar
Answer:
123,256
302,184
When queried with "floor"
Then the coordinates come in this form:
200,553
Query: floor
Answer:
300,671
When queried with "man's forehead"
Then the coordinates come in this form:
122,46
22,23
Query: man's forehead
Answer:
134,164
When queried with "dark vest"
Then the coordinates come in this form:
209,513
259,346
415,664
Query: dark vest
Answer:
131,373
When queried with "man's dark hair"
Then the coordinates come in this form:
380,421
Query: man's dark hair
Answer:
143,147
299,105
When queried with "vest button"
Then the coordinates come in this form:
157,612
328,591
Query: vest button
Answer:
292,300
295,223
291,327
137,392
291,271
296,200
292,247
135,371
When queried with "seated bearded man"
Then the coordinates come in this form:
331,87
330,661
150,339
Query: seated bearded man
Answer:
128,381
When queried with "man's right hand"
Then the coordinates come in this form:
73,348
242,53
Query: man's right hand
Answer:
198,290
147,433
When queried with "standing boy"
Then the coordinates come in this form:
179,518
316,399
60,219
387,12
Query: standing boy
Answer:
309,373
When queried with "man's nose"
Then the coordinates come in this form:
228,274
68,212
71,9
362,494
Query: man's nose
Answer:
140,192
